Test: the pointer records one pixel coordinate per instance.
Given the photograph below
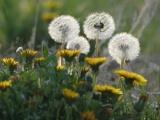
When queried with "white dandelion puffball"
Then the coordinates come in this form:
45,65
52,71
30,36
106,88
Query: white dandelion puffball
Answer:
124,46
63,28
99,25
79,43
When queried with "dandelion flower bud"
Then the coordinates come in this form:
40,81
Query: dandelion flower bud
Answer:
79,43
89,115
124,46
5,84
99,25
63,28
70,94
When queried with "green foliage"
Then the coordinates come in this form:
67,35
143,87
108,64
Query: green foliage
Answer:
37,93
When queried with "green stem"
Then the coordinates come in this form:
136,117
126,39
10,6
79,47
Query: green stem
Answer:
94,80
97,46
39,82
122,63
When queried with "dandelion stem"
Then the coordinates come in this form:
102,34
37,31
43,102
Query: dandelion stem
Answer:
97,46
122,63
39,82
61,48
94,80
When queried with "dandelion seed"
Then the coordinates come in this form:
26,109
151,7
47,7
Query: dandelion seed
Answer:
124,47
99,25
79,43
131,78
70,94
63,28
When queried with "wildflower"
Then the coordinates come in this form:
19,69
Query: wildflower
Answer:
29,53
5,84
95,62
89,115
11,63
132,78
60,67
79,43
40,60
70,94
99,26
108,89
63,28
48,16
124,47
52,4
68,54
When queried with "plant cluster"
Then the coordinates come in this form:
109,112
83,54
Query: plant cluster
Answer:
40,85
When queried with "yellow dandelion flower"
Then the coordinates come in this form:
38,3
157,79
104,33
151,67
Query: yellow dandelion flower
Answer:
95,62
68,54
70,94
5,84
48,16
60,67
108,89
29,53
40,60
88,115
11,62
52,4
131,77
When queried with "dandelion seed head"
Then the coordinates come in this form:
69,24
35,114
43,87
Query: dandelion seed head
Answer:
99,25
63,28
124,46
79,43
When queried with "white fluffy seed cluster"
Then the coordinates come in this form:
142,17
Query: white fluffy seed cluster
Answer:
99,26
63,28
79,43
124,46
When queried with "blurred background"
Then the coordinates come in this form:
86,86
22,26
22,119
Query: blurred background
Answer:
25,23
